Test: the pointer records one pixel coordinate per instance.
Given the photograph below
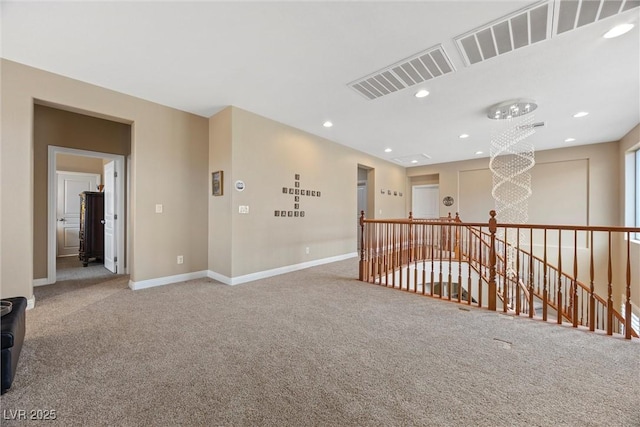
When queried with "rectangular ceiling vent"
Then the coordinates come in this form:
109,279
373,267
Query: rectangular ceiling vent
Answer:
523,28
416,69
572,14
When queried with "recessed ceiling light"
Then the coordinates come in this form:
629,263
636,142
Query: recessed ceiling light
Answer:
388,150
421,93
618,30
580,114
327,124
478,153
463,136
569,140
414,161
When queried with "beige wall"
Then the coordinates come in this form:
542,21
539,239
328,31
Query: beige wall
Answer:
72,163
267,155
169,151
570,186
53,126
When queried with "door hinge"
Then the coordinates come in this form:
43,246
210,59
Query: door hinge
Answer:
115,174
115,259
115,216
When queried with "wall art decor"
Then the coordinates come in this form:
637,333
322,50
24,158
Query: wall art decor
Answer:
216,183
297,193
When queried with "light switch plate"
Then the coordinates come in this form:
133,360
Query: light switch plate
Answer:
159,208
243,209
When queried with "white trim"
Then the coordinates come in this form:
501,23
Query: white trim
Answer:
51,205
42,282
276,271
167,280
31,302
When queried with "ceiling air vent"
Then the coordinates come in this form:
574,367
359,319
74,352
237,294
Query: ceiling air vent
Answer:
416,69
523,28
573,14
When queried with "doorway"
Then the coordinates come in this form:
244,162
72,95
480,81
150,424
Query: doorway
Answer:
113,172
425,201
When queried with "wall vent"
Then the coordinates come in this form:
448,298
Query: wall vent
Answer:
418,68
572,14
520,29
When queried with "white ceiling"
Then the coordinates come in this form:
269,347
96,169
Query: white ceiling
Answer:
292,62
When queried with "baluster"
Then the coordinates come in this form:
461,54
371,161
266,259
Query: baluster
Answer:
609,291
449,247
627,304
480,267
433,255
440,265
492,261
517,284
459,257
424,256
574,298
505,279
592,300
544,280
559,306
531,298
469,258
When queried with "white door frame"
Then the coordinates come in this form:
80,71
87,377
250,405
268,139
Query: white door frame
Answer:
413,189
51,207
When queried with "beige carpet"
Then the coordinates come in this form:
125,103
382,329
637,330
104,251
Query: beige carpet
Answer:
309,348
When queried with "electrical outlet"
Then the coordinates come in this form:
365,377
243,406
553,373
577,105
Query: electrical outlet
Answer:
306,250
158,208
180,259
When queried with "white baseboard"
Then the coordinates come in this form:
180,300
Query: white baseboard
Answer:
42,282
150,283
276,271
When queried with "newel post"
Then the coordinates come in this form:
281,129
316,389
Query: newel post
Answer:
362,268
492,262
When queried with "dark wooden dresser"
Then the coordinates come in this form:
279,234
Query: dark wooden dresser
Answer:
91,226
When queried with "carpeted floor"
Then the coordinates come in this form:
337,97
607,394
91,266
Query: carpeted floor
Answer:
314,347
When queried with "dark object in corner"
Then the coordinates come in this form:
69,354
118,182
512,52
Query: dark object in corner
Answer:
13,327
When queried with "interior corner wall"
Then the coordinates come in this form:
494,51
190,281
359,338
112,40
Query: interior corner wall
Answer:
631,141
267,156
169,151
220,215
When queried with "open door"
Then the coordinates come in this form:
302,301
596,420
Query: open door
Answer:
110,217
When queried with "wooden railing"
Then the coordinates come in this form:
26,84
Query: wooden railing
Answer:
533,270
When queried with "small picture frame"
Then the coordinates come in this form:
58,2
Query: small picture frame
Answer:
277,213
318,193
290,213
285,190
291,191
301,213
216,183
308,192
297,177
296,214
389,192
297,184
296,206
395,193
297,199
283,213
400,194
297,191
313,193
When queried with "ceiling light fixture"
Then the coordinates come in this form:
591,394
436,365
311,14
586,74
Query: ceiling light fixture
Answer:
414,161
581,114
463,136
421,93
511,109
388,150
478,153
617,31
569,140
327,124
